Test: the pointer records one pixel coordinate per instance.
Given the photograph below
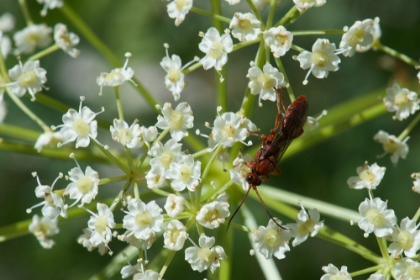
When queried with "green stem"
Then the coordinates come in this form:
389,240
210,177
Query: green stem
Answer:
318,32
216,9
270,18
210,15
289,17
396,54
44,53
167,263
119,105
366,270
383,247
112,158
286,79
256,13
409,128
205,172
25,12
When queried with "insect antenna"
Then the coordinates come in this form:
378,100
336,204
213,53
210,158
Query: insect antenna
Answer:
266,209
237,209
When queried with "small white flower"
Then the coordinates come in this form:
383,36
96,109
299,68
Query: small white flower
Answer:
164,155
142,218
303,5
272,240
178,9
174,79
53,204
240,170
84,240
216,48
376,218
27,77
117,77
5,45
31,37
174,205
230,128
139,243
245,27
359,37
376,276
313,122
100,224
175,235
332,273
66,40
233,2
83,186
50,4
416,183
185,173
126,136
262,83
212,214
368,177
405,238
3,110
147,275
48,138
320,61
155,178
392,145
7,22
79,126
42,228
279,40
178,120
307,225
407,270
129,270
206,256
401,101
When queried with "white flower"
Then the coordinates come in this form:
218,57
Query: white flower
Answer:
117,77
5,45
359,37
175,235
376,218
206,256
216,48
156,177
264,82
53,204
31,37
49,4
233,2
7,22
48,138
272,240
230,128
401,101
139,243
66,40
28,77
405,238
174,79
212,214
164,155
142,218
303,5
407,270
392,145
185,173
178,120
79,126
376,276
320,61
332,273
174,205
178,9
245,27
368,177
279,40
129,270
100,224
240,170
307,225
313,122
147,275
84,240
416,183
83,186
126,136
3,110
42,228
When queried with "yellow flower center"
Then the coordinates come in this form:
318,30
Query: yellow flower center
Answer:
179,4
245,24
401,99
272,238
228,131
356,36
101,224
125,135
319,58
205,254
367,175
27,78
375,217
306,227
265,81
166,158
412,272
217,50
143,219
186,172
390,146
84,184
80,127
405,239
173,74
176,119
281,39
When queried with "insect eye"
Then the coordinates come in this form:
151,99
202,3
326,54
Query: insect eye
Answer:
249,178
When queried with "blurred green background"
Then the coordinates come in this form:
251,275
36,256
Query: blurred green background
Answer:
142,27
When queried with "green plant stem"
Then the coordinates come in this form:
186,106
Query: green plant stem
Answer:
409,128
216,9
366,270
25,12
417,215
289,17
112,158
19,132
256,13
119,104
318,32
270,17
167,263
44,53
210,15
396,54
286,79
104,50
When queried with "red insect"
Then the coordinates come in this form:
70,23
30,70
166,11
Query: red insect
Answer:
274,145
